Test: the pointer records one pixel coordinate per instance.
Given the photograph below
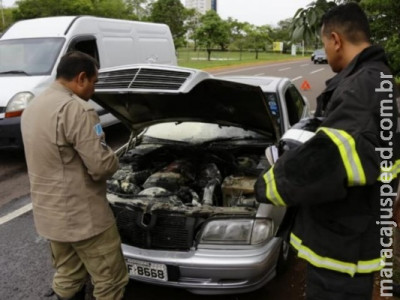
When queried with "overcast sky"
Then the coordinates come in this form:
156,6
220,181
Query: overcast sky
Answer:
257,12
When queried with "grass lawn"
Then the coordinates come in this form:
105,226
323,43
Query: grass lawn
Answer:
198,59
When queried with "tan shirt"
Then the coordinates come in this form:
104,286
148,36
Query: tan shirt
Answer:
68,164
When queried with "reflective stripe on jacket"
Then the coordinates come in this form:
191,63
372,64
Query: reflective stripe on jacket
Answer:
306,253
334,179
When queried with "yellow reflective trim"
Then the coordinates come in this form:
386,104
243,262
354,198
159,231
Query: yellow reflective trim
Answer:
347,149
271,190
369,266
313,258
295,241
394,170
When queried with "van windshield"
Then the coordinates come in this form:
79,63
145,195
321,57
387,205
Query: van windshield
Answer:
26,57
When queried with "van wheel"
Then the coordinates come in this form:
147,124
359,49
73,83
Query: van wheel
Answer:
283,259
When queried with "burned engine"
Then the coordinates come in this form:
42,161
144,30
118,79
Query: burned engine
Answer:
161,195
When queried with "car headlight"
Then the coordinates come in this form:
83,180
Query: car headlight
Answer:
17,104
263,230
236,231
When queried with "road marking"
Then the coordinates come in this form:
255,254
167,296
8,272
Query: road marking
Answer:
239,70
319,70
297,78
259,74
284,69
15,213
304,65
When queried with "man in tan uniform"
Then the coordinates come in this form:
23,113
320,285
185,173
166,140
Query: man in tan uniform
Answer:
68,164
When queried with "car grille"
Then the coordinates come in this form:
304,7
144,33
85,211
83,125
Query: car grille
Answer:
142,78
165,230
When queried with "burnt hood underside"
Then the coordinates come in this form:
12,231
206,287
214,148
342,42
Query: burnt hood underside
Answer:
212,100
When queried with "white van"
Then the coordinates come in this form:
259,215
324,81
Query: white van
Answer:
31,49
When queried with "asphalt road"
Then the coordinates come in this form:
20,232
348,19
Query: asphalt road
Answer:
25,270
297,71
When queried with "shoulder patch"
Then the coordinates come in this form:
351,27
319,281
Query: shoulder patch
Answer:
98,129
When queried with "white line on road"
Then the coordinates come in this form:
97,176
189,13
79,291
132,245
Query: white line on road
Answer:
304,65
16,213
297,78
239,70
319,70
259,74
284,69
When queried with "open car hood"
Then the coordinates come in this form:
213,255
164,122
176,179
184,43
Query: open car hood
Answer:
143,95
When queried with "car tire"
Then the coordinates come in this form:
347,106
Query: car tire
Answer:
283,259
315,62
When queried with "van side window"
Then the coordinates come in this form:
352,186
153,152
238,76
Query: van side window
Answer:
86,45
295,104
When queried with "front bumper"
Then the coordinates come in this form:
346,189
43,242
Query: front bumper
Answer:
10,133
213,271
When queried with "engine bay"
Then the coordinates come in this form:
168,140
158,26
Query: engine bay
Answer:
188,177
162,195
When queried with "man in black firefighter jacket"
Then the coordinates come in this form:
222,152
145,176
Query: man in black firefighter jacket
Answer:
341,178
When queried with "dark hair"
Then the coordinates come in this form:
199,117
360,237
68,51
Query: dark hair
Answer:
348,19
75,62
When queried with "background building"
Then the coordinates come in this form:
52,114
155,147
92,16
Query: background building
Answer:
202,5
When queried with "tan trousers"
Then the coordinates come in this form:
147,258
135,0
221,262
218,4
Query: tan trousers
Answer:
100,256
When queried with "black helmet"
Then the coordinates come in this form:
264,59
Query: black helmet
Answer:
298,134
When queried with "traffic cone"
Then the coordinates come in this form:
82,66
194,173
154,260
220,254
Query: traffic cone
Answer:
305,86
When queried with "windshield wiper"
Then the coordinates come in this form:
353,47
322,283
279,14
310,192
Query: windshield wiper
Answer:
15,72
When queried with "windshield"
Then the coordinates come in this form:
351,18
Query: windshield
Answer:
194,132
29,56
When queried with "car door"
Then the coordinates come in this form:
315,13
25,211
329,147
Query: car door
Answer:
296,105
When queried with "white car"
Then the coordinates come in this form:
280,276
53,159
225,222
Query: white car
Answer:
183,197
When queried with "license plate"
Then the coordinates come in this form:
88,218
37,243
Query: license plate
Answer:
146,269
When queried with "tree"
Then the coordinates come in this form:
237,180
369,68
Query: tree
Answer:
111,9
27,9
138,8
385,27
238,33
7,13
258,37
192,22
212,31
306,21
282,34
172,13
346,1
